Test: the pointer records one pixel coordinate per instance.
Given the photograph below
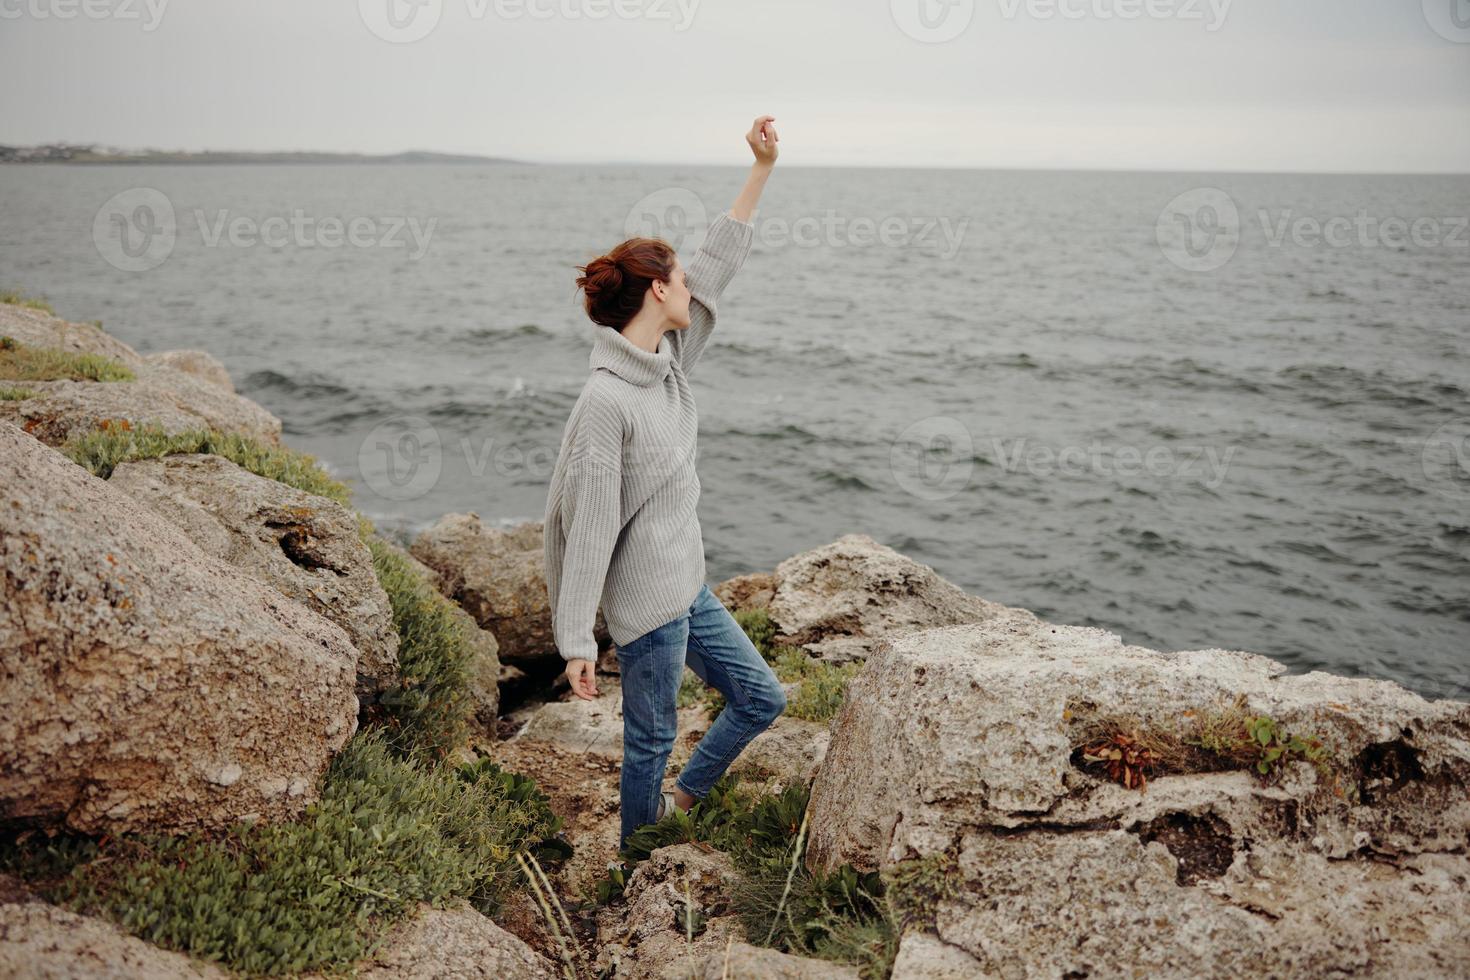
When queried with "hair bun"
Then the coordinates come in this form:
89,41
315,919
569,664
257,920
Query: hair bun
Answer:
603,276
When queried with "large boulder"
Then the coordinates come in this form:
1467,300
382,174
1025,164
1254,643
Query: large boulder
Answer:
199,363
40,941
499,578
163,395
303,545
838,600
144,684
961,744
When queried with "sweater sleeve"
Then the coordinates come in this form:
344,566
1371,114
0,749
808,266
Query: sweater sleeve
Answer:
592,492
715,263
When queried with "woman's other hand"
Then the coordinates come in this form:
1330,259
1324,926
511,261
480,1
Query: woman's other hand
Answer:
763,139
582,675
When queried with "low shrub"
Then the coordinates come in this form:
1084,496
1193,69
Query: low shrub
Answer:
8,394
427,713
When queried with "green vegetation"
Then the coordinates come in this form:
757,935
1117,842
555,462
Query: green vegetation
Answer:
428,713
386,835
22,362
121,442
1223,737
8,394
13,297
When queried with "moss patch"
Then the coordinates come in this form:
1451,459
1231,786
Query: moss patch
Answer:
22,362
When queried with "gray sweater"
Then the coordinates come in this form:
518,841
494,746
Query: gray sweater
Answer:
620,528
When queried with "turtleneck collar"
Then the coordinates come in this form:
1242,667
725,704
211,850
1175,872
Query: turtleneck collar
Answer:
610,349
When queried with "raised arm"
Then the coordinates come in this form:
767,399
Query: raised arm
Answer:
724,249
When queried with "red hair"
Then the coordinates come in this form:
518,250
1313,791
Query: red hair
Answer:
615,284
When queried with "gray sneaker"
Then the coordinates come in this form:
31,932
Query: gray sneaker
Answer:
666,803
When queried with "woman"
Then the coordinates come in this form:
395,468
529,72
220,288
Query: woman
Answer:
621,530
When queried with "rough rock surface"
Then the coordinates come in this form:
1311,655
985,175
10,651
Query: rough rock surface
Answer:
753,591
305,546
40,941
1218,873
455,942
37,328
838,600
499,578
643,935
143,683
199,363
161,395
742,961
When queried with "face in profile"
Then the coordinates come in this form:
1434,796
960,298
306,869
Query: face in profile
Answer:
676,298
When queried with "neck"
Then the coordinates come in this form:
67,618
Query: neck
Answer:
645,334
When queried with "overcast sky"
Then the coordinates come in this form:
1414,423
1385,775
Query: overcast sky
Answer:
1313,85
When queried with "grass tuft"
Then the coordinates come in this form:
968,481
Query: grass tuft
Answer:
22,362
102,450
14,297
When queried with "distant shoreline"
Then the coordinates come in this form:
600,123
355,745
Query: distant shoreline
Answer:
87,155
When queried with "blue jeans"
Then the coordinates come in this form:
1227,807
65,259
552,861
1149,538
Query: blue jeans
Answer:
707,637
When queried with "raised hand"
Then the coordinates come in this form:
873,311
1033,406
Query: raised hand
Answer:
763,139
